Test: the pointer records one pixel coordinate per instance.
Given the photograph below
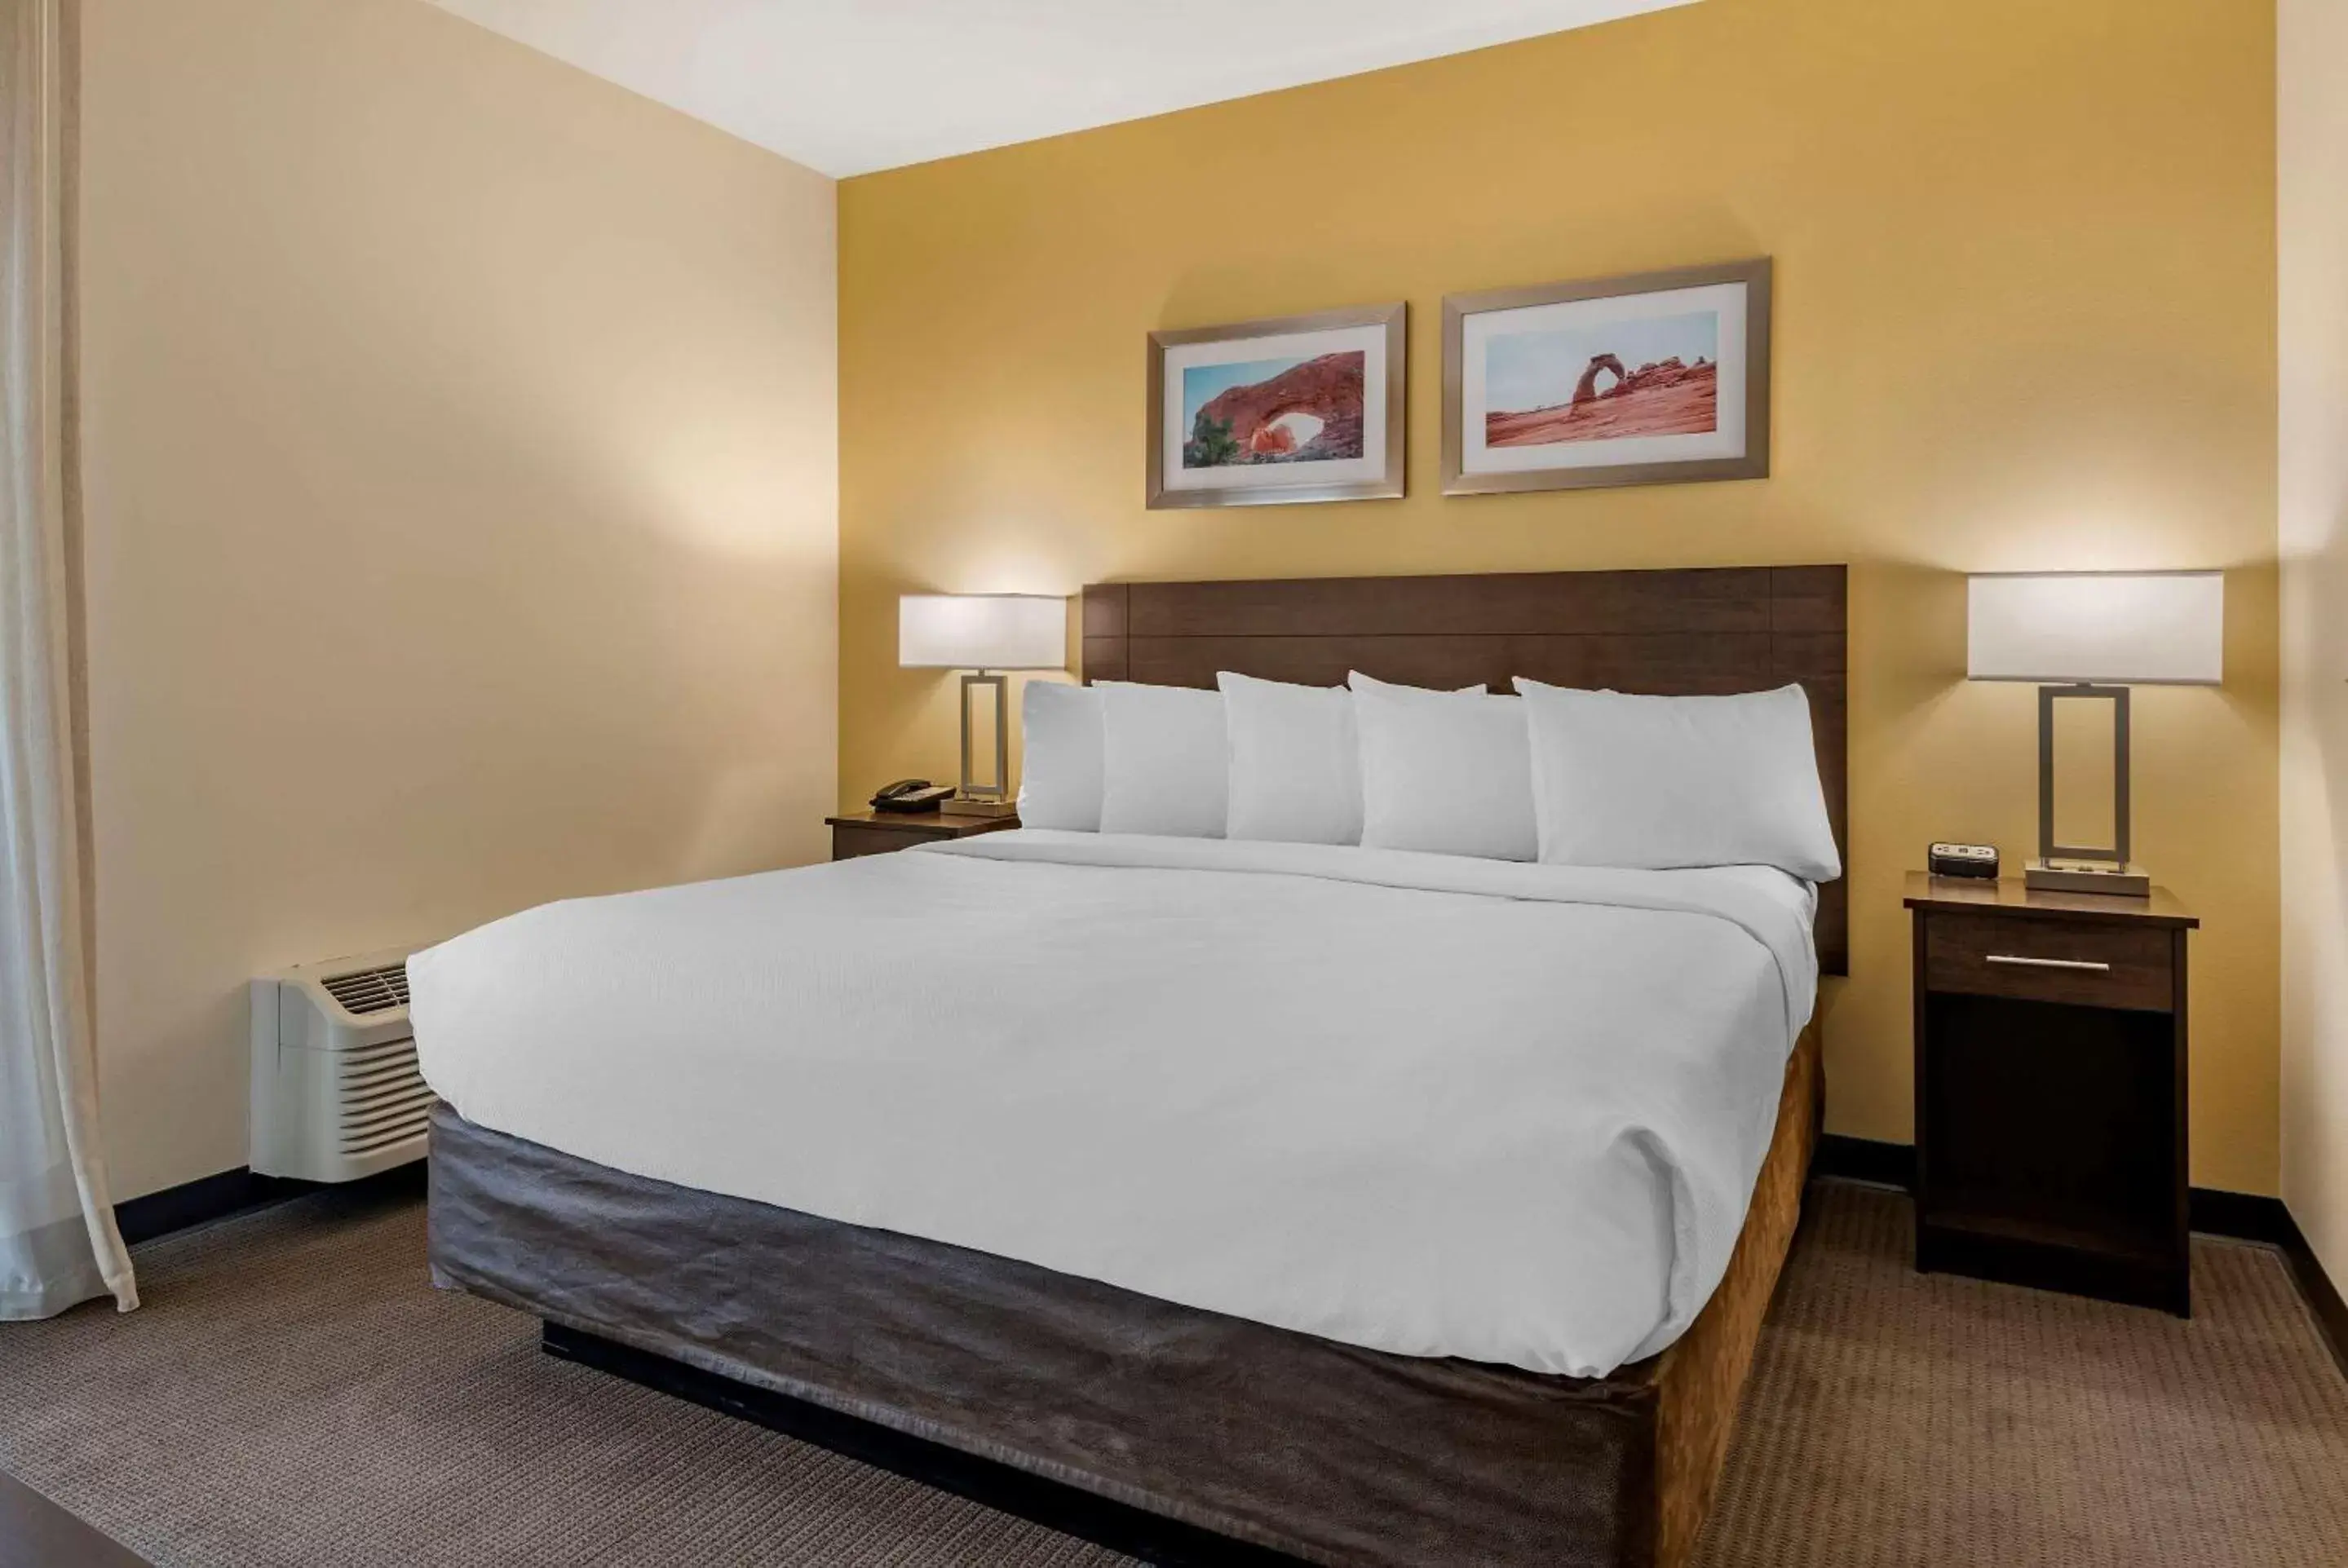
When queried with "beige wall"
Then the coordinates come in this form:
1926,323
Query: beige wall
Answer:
462,499
2312,156
2025,319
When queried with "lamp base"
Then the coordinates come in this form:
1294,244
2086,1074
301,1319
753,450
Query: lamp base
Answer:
2086,877
963,806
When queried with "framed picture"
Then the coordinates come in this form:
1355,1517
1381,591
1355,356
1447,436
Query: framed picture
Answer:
1297,408
1645,380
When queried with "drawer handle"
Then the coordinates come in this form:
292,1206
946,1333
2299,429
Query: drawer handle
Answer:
2020,962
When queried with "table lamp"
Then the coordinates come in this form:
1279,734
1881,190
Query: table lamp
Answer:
2094,634
984,634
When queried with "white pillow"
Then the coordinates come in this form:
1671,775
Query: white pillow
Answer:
1447,772
1296,765
1060,784
1661,782
1165,759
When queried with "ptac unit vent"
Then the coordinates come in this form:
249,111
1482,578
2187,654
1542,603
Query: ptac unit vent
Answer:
335,1092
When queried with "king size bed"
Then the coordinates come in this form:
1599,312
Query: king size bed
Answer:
1224,1199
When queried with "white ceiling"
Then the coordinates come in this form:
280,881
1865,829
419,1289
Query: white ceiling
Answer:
852,86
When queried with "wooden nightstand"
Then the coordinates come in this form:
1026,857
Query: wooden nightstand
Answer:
879,832
2050,1089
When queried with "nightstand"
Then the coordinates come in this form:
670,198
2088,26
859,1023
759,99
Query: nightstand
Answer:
2050,1089
859,833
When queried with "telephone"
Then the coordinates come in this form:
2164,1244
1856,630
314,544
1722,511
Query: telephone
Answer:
911,795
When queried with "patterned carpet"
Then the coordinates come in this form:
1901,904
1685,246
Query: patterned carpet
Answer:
1898,1418
295,1394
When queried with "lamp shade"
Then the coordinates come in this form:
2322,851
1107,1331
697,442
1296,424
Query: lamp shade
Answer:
981,632
2117,629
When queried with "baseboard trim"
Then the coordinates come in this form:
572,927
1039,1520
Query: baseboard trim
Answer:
200,1201
226,1192
2239,1216
2244,1216
1865,1159
2322,1295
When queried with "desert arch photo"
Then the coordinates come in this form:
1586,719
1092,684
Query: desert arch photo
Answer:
1642,379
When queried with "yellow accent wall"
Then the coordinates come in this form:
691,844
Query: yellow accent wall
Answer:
2025,318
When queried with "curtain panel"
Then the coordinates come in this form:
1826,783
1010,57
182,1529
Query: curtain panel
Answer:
59,1242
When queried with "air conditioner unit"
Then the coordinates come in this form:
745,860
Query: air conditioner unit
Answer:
336,1093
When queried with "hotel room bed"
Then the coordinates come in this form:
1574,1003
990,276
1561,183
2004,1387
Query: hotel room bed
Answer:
1360,1205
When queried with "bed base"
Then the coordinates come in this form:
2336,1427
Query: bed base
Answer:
1175,1435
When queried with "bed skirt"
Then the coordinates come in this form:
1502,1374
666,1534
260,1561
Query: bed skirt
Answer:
1323,1450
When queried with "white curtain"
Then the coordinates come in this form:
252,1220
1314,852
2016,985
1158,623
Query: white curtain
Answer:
58,1244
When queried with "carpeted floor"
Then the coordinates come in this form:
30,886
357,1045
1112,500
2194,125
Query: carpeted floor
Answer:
294,1394
1898,1418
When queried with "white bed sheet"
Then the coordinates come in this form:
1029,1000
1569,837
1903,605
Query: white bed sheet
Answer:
1422,1103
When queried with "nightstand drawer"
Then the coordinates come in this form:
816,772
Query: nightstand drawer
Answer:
2081,963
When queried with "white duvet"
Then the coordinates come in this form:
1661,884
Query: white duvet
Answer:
1422,1103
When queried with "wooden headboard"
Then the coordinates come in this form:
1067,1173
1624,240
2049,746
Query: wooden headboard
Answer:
1673,633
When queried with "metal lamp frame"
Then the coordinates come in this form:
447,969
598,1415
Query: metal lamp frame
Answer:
2076,868
992,798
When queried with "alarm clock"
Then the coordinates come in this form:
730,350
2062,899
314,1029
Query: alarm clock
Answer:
1962,860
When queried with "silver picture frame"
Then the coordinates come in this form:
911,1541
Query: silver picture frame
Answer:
1752,463
1392,379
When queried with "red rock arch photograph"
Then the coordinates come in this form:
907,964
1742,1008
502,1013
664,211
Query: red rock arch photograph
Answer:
1288,409
1578,386
1275,410
1650,379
